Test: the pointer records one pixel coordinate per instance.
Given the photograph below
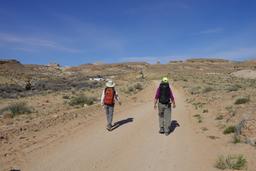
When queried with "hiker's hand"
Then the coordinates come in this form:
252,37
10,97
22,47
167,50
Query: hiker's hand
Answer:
120,103
154,106
174,105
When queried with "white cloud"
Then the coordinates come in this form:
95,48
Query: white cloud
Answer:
18,43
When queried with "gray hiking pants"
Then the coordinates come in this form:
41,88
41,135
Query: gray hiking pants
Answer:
164,112
109,114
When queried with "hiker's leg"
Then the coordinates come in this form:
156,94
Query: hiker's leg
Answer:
111,112
161,115
107,115
167,118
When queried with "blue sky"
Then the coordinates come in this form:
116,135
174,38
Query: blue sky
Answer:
76,32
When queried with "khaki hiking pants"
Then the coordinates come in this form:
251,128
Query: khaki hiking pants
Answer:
164,112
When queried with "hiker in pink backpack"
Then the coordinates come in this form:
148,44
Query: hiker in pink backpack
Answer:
108,98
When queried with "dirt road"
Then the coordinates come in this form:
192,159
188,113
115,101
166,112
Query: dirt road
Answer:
134,145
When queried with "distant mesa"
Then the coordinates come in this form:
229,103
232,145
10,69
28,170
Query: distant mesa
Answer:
54,65
171,62
207,60
9,61
98,63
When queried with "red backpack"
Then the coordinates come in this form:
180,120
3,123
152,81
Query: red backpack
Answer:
109,96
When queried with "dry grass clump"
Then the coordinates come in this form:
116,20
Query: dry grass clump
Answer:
237,162
138,86
200,89
236,139
199,118
65,97
132,88
242,100
219,117
207,89
81,100
195,90
233,87
198,105
229,130
17,108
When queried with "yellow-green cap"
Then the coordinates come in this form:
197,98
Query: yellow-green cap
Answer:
165,79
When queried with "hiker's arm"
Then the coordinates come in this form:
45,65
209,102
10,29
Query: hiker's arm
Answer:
118,98
155,103
156,97
172,98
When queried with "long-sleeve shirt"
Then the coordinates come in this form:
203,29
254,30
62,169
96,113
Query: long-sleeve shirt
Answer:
170,94
103,96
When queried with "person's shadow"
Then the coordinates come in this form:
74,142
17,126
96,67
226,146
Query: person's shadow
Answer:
121,122
173,126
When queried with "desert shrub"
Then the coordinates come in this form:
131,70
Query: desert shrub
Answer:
236,139
228,130
242,100
207,89
81,100
199,118
65,97
219,117
130,89
237,162
205,111
133,88
198,105
17,109
195,90
138,86
231,110
234,87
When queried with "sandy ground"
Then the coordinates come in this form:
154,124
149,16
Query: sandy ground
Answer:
134,145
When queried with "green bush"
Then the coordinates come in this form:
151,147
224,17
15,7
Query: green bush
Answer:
242,100
237,162
81,100
229,130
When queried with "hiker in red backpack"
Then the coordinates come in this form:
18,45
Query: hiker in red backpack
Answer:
165,99
108,98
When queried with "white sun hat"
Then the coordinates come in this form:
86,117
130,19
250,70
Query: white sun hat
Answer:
110,83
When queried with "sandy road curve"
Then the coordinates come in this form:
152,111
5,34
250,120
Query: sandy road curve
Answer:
134,145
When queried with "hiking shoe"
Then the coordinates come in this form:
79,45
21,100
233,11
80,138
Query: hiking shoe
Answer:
109,127
167,132
161,131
